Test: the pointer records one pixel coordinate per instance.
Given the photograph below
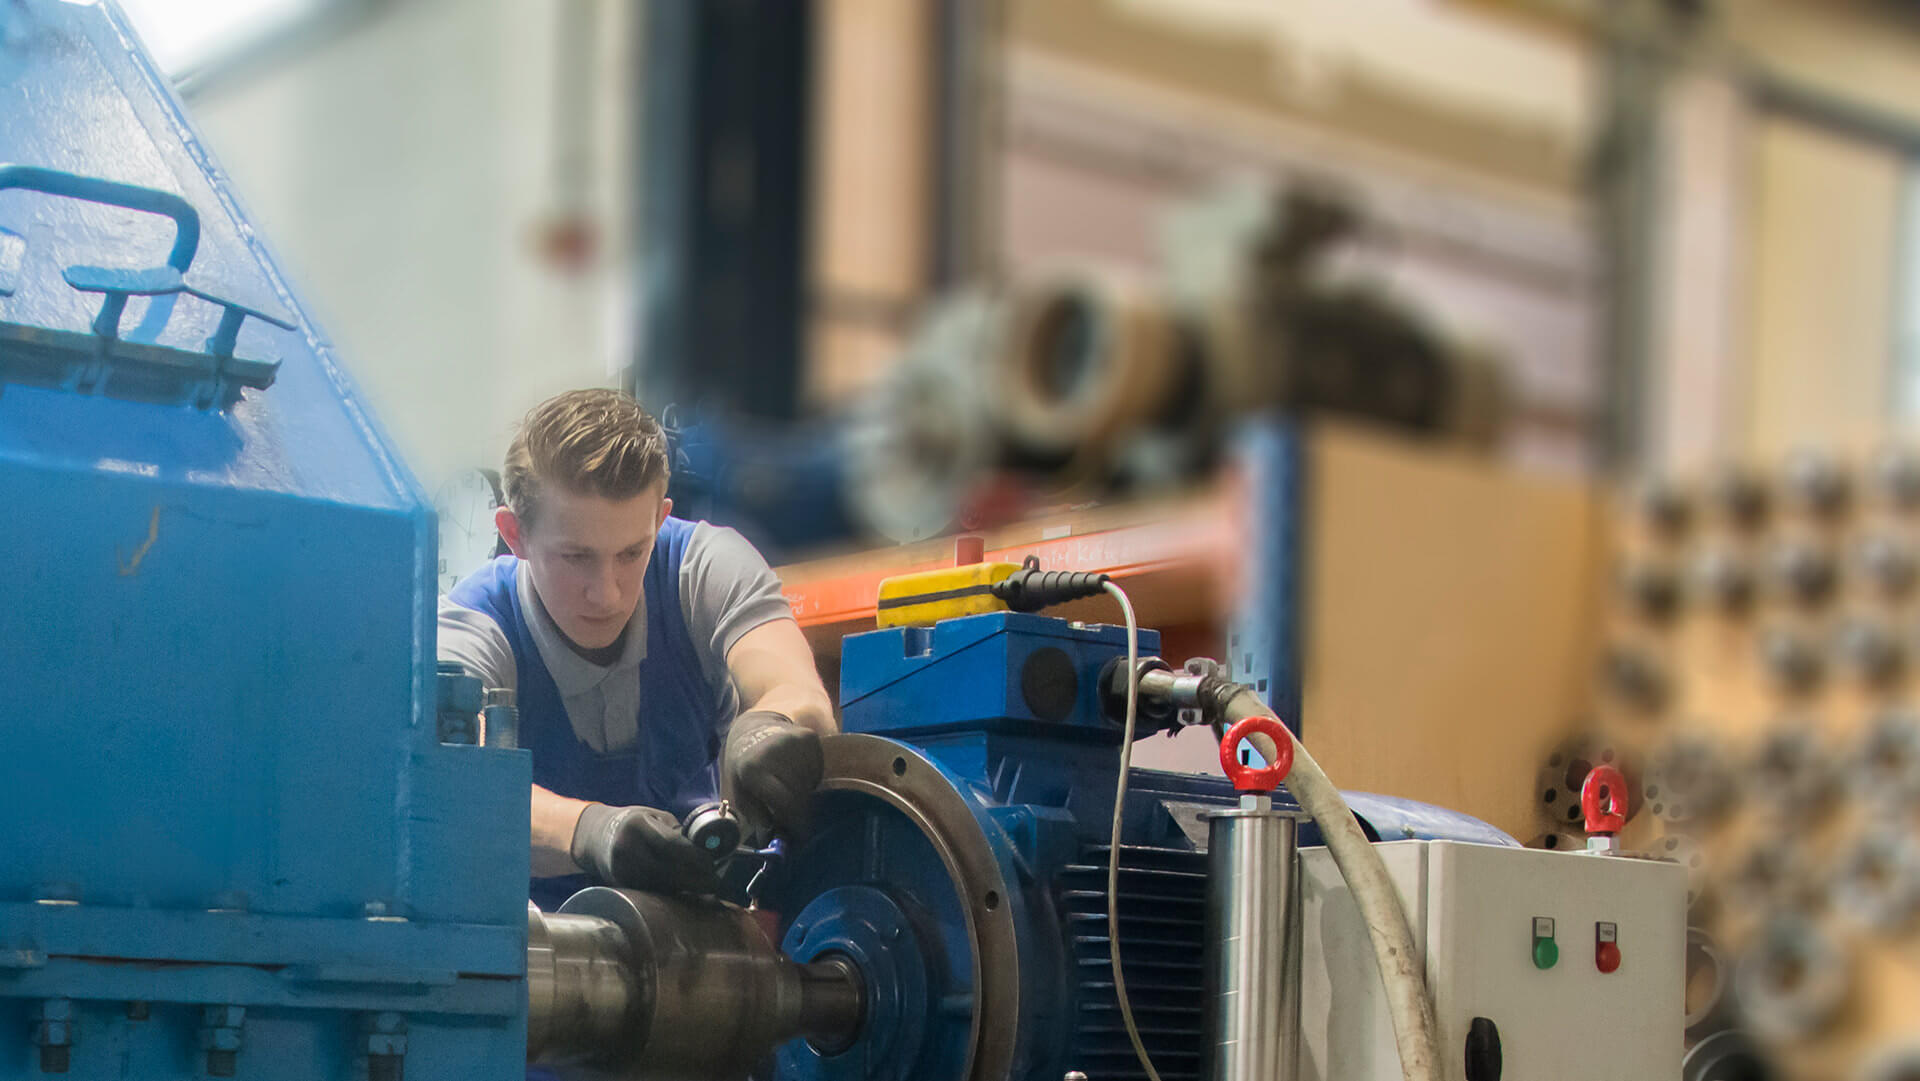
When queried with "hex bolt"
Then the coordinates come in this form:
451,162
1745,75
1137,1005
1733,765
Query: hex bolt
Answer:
1665,508
220,1038
1725,580
53,1033
1888,563
1817,485
1741,498
385,1042
1804,573
1653,588
1896,472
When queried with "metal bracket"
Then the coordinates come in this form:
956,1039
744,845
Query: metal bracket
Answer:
81,362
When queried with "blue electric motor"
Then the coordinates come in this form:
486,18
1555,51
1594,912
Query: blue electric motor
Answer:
959,860
239,840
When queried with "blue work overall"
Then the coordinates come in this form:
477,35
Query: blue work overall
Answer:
672,764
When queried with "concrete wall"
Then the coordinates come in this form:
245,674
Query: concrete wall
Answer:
403,170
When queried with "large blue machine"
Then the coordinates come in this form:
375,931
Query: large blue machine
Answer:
236,842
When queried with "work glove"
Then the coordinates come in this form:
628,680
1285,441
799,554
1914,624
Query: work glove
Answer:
640,848
768,773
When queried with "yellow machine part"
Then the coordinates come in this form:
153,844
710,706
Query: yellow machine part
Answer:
930,596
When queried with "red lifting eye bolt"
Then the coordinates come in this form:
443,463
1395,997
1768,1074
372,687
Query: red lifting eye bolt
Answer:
1267,778
1603,799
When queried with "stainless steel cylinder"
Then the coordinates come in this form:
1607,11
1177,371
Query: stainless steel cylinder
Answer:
582,989
676,989
1253,944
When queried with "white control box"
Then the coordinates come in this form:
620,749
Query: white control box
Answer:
1544,966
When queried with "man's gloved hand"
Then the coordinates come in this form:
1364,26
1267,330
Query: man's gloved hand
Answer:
640,848
768,772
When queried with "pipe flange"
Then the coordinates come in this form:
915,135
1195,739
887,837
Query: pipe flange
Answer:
1726,1056
1635,676
1896,478
1724,580
1802,572
1665,507
1740,497
1769,876
1708,975
1792,775
1794,980
1816,485
1886,766
1652,589
1877,880
1870,651
917,442
1687,779
1792,661
864,925
1086,358
884,804
1686,852
1557,786
1887,561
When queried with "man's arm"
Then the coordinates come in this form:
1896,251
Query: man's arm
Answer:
554,820
478,643
772,668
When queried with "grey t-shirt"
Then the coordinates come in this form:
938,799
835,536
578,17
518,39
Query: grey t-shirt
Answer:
726,590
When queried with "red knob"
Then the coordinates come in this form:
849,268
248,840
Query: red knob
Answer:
1606,957
1244,777
1603,799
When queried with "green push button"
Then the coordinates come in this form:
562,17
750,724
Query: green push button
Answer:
1546,953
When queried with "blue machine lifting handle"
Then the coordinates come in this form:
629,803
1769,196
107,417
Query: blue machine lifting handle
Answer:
186,220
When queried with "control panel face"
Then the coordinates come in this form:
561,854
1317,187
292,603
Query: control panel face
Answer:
1542,965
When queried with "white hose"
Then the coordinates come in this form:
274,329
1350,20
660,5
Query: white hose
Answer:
1113,849
1401,968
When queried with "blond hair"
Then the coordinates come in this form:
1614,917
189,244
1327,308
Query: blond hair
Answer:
596,442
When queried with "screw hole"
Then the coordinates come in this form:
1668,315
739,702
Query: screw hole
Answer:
1551,794
899,767
992,900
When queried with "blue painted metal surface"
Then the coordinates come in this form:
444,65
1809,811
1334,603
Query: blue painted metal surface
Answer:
1265,649
232,824
1037,793
1002,671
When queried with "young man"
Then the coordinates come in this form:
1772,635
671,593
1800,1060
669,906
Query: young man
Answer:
632,639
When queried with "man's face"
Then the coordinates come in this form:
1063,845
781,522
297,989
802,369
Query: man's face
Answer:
587,555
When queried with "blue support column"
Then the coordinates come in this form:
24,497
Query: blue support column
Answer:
1265,637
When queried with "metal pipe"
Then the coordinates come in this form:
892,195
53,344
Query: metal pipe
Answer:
1253,943
646,986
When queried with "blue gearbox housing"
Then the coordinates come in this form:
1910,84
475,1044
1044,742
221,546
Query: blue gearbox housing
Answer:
959,859
240,839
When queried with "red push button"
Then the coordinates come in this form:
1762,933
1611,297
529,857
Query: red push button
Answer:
1606,946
